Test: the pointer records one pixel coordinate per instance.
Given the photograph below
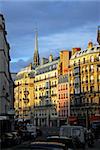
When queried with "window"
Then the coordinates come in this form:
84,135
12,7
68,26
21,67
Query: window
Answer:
83,79
50,67
52,92
63,87
83,89
91,100
91,88
87,88
79,61
92,78
92,58
74,63
47,85
55,74
59,96
84,60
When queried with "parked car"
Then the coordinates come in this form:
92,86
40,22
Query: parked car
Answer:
16,138
31,130
38,131
76,132
27,132
95,126
42,146
6,139
69,142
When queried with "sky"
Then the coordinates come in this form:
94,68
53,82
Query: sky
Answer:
61,24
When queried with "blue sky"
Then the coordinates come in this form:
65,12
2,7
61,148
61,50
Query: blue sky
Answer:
62,24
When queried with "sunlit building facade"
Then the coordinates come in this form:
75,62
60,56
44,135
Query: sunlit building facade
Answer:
62,99
63,96
84,78
24,93
46,81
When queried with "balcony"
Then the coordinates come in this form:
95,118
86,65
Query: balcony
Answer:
26,100
44,97
92,81
53,85
55,76
91,70
26,92
54,95
45,106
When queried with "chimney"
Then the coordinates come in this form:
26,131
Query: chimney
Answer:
76,49
50,58
98,35
44,61
90,44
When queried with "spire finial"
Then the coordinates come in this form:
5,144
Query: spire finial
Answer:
36,40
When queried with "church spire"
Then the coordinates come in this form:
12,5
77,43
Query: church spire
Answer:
98,35
36,54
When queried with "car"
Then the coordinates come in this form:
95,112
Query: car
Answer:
42,146
69,142
6,139
16,138
76,132
31,129
38,131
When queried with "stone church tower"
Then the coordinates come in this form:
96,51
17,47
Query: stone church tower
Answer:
36,59
98,35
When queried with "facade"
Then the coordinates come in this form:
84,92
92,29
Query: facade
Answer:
24,88
63,87
6,83
65,56
24,94
84,78
62,99
60,89
46,81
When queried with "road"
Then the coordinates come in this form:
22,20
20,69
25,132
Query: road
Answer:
55,131
96,146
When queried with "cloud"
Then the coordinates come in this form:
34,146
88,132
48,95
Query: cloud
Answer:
60,25
16,66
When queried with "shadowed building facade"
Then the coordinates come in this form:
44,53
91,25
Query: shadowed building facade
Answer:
6,82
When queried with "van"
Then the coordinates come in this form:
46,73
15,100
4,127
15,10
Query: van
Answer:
74,132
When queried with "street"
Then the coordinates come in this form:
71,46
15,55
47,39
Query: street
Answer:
96,146
54,131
